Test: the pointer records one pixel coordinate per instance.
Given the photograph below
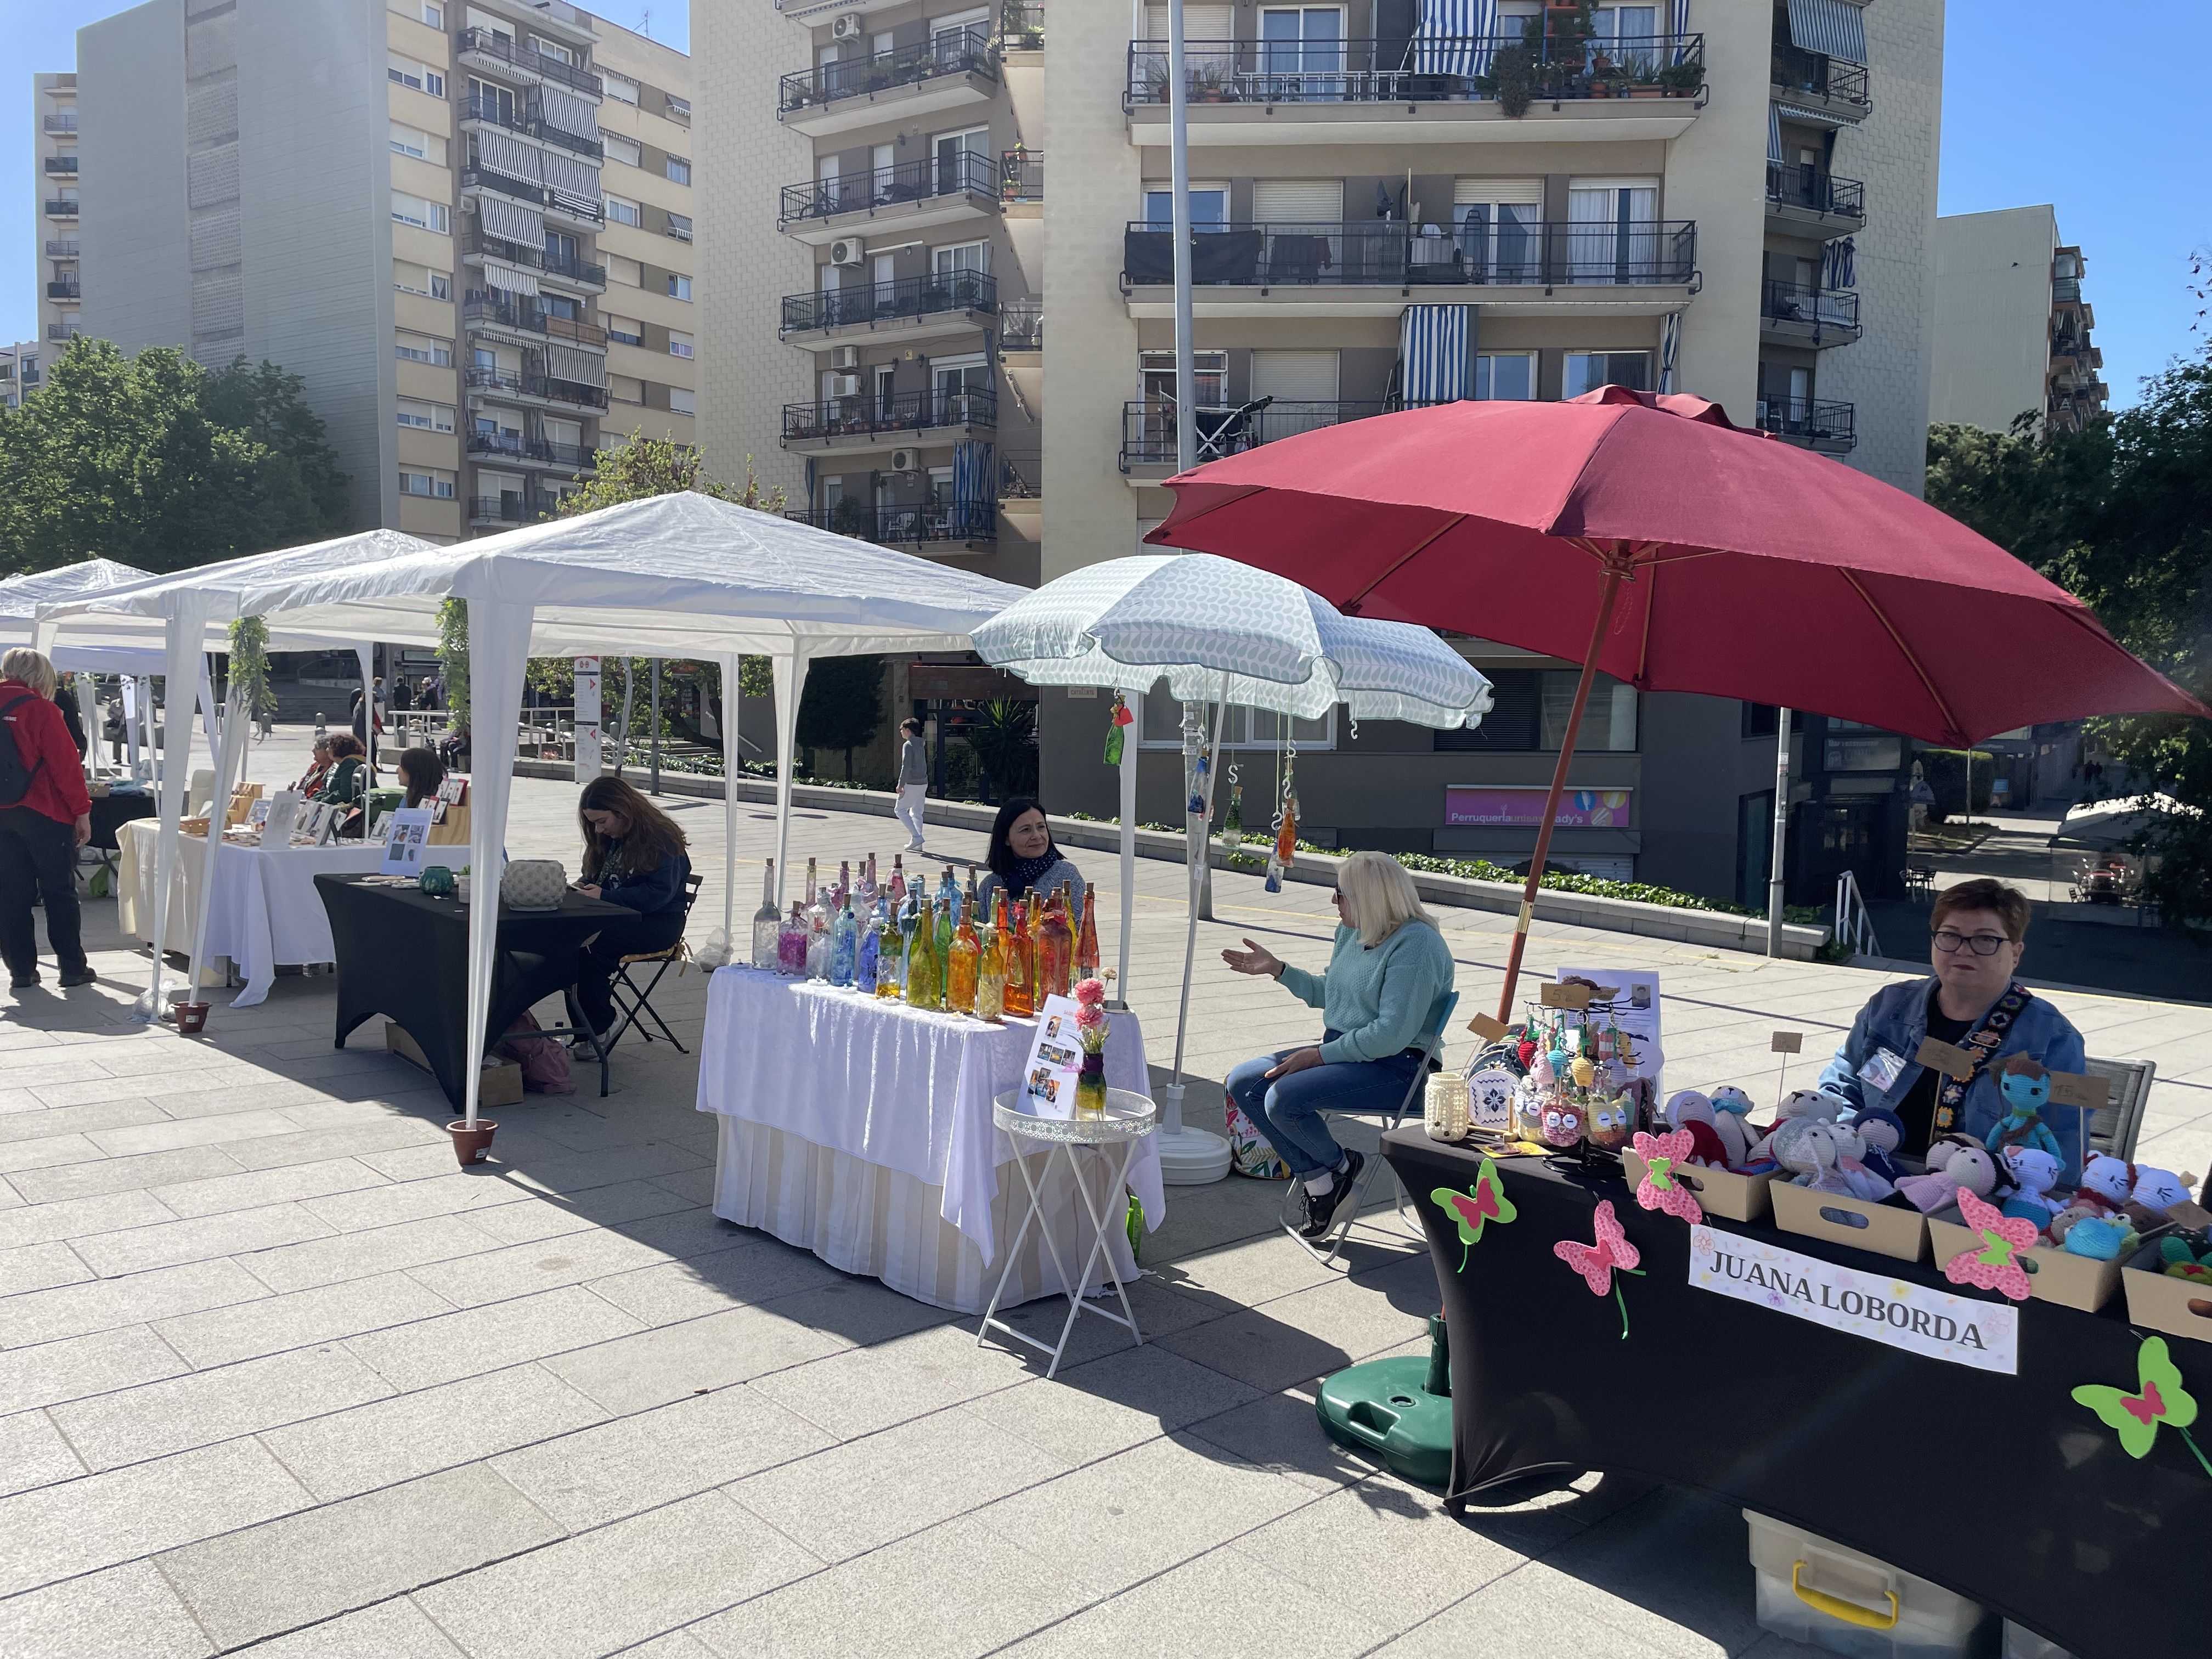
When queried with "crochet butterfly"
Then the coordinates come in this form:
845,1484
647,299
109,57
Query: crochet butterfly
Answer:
2160,1398
1992,1262
1473,1209
1596,1262
1661,1188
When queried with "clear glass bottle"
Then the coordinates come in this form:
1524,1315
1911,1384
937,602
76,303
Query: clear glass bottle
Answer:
844,888
767,924
818,941
844,946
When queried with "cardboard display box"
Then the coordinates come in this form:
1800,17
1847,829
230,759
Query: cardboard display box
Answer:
1886,1229
501,1084
2179,1307
1722,1193
2072,1281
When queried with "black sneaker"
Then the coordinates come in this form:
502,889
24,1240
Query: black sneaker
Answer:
23,981
1322,1209
78,976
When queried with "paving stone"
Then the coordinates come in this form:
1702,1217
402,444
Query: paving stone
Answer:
624,1202
60,1120
605,1590
83,1365
1223,1606
157,1419
171,1243
655,1367
862,1390
236,1191
456,1345
314,1146
752,1270
154,1170
460,1193
33,1453
1092,1411
1544,1626
378,1249
40,1268
397,1629
46,1152
41,1223
104,1303
125,1613
500,1275
276,1323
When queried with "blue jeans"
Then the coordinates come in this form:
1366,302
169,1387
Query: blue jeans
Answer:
1288,1110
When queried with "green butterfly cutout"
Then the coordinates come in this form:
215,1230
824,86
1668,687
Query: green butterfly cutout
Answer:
1480,1204
2160,1398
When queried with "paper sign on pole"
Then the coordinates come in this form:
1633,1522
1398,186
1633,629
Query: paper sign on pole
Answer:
1055,1056
407,831
587,719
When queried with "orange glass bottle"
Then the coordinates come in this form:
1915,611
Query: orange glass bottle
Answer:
1020,998
1086,937
964,956
1056,948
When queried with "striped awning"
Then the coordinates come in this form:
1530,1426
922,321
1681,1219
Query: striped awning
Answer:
1837,27
1436,345
503,152
566,362
1839,264
1681,23
567,172
509,220
974,488
568,113
509,279
1795,112
1453,37
1774,135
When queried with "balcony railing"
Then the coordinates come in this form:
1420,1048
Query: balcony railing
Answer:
494,113
904,411
1457,69
903,300
1021,28
64,332
65,164
904,526
579,271
62,247
1809,421
1021,175
61,210
575,456
1836,79
1021,326
1387,253
589,208
70,289
505,183
1814,191
2066,290
529,59
956,51
1149,430
483,307
1021,477
510,506
63,122
1820,311
963,172
535,385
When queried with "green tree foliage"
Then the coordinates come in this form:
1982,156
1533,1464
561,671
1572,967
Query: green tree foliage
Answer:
2121,515
843,707
155,462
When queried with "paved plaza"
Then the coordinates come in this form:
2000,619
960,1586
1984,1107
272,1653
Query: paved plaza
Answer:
275,1374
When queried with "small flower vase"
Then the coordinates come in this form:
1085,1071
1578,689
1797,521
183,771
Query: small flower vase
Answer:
1091,1085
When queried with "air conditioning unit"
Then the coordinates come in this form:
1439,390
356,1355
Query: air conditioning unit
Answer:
846,28
844,385
906,460
845,357
847,251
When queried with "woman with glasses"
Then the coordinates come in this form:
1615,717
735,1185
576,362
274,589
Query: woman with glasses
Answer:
1972,1003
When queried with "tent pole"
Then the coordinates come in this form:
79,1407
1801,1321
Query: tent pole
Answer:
1129,863
1608,592
790,671
656,725
1781,844
1192,1157
229,765
732,667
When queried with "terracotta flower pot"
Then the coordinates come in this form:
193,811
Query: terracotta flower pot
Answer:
471,1146
192,1018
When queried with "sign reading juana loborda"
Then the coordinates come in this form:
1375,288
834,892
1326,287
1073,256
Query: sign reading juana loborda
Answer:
1879,1306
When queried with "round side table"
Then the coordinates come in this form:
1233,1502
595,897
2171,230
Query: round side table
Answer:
1111,1136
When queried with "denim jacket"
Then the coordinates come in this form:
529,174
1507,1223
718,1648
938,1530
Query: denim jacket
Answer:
1896,1018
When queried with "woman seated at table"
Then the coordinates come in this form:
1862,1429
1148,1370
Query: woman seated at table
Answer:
1972,1002
420,773
634,856
1023,858
319,771
346,785
1387,972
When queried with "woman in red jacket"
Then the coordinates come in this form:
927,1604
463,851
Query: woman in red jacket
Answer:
44,817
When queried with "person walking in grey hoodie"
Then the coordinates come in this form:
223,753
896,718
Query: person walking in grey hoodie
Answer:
912,782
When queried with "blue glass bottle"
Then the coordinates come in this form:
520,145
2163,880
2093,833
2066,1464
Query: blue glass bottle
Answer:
844,946
869,963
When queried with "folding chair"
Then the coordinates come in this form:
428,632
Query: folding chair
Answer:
641,1002
1432,1048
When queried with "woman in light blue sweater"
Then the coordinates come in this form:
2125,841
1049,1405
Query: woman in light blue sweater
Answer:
1388,974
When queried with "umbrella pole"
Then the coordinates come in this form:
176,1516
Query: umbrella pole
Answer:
1607,594
1191,1157
1781,844
1120,999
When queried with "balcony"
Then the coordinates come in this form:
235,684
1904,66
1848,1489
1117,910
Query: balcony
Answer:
1789,315
1804,201
1832,91
531,452
482,49
1149,430
71,289
1021,327
846,425
510,506
527,388
1829,428
477,246
937,527
586,212
491,113
1021,487
61,210
64,332
1021,183
955,69
905,195
1021,28
62,247
65,166
911,308
65,122
480,310
1372,267
1446,91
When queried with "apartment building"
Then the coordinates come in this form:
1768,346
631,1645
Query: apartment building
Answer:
53,147
1394,202
2012,332
19,372
467,227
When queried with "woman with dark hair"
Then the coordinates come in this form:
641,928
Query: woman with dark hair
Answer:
347,784
421,772
1024,857
634,856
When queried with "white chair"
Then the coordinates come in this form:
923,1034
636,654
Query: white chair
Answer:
1432,1045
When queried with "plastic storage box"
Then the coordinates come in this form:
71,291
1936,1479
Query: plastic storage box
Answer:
1814,1591
2021,1643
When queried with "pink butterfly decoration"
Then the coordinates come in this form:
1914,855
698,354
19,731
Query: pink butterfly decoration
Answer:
1595,1262
1662,1189
1992,1263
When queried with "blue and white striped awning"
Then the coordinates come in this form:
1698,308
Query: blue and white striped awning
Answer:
1436,346
1839,264
1670,342
1453,37
1774,135
974,488
1681,19
1837,27
1794,112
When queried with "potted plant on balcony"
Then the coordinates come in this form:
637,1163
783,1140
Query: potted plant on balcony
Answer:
1643,80
1512,77
1205,84
847,517
1684,79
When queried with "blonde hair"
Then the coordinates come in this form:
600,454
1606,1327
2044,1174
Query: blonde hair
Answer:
1382,895
34,668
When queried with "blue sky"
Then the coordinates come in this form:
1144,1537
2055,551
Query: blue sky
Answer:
2037,107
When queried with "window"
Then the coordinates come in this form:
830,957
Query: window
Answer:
682,400
562,251
420,76
1529,713
621,389
679,109
1209,208
1613,234
1300,40
628,330
625,150
1209,373
411,278
628,272
434,15
621,211
489,102
679,344
620,87
679,286
426,216
424,349
679,169
679,226
413,141
1588,370
436,486
554,50
425,417
1507,375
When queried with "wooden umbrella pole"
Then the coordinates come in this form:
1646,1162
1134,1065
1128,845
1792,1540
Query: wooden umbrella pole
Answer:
1607,594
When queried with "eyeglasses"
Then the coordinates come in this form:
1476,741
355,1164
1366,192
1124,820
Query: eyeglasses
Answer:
1951,941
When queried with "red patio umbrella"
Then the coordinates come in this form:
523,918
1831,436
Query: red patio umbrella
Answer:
1649,537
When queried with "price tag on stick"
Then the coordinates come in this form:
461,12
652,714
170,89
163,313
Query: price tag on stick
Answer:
1489,1030
1784,1043
1945,1057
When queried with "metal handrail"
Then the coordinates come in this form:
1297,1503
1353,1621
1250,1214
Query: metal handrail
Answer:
579,457
488,45
65,290
905,297
1817,309
1021,477
477,107
1021,175
63,248
62,210
64,123
1808,418
922,523
1387,253
1837,80
904,411
510,507
1854,927
969,171
1798,186
1021,326
1397,71
535,385
1149,426
62,164
484,178
482,307
956,51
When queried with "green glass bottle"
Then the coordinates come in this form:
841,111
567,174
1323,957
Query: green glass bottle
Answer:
921,962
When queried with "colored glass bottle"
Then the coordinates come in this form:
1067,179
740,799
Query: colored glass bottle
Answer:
1086,938
922,986
991,968
890,966
867,954
963,965
898,881
844,946
844,888
1056,949
767,924
1020,999
948,901
790,943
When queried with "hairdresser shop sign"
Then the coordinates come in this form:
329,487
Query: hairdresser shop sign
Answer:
1879,1306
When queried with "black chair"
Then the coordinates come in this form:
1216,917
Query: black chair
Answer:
641,1001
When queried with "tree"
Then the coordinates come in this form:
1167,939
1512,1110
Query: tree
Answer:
843,707
143,459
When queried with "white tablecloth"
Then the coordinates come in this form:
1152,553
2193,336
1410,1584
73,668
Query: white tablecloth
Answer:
266,911
862,1129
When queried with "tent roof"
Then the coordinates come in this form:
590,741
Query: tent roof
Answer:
21,596
674,575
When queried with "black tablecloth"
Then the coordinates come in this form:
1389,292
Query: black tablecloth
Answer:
110,812
406,955
2001,1488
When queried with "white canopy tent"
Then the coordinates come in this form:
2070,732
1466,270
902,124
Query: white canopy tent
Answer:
20,597
680,575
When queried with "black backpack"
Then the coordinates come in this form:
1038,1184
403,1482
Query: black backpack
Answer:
15,776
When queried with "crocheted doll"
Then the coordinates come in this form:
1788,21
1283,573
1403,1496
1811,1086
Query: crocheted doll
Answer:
2026,1090
1880,1132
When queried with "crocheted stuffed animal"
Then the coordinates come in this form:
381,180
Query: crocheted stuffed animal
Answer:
2026,1090
1798,1102
2033,1174
1951,1165
1881,1132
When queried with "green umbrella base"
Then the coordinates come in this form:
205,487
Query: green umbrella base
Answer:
1396,1410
